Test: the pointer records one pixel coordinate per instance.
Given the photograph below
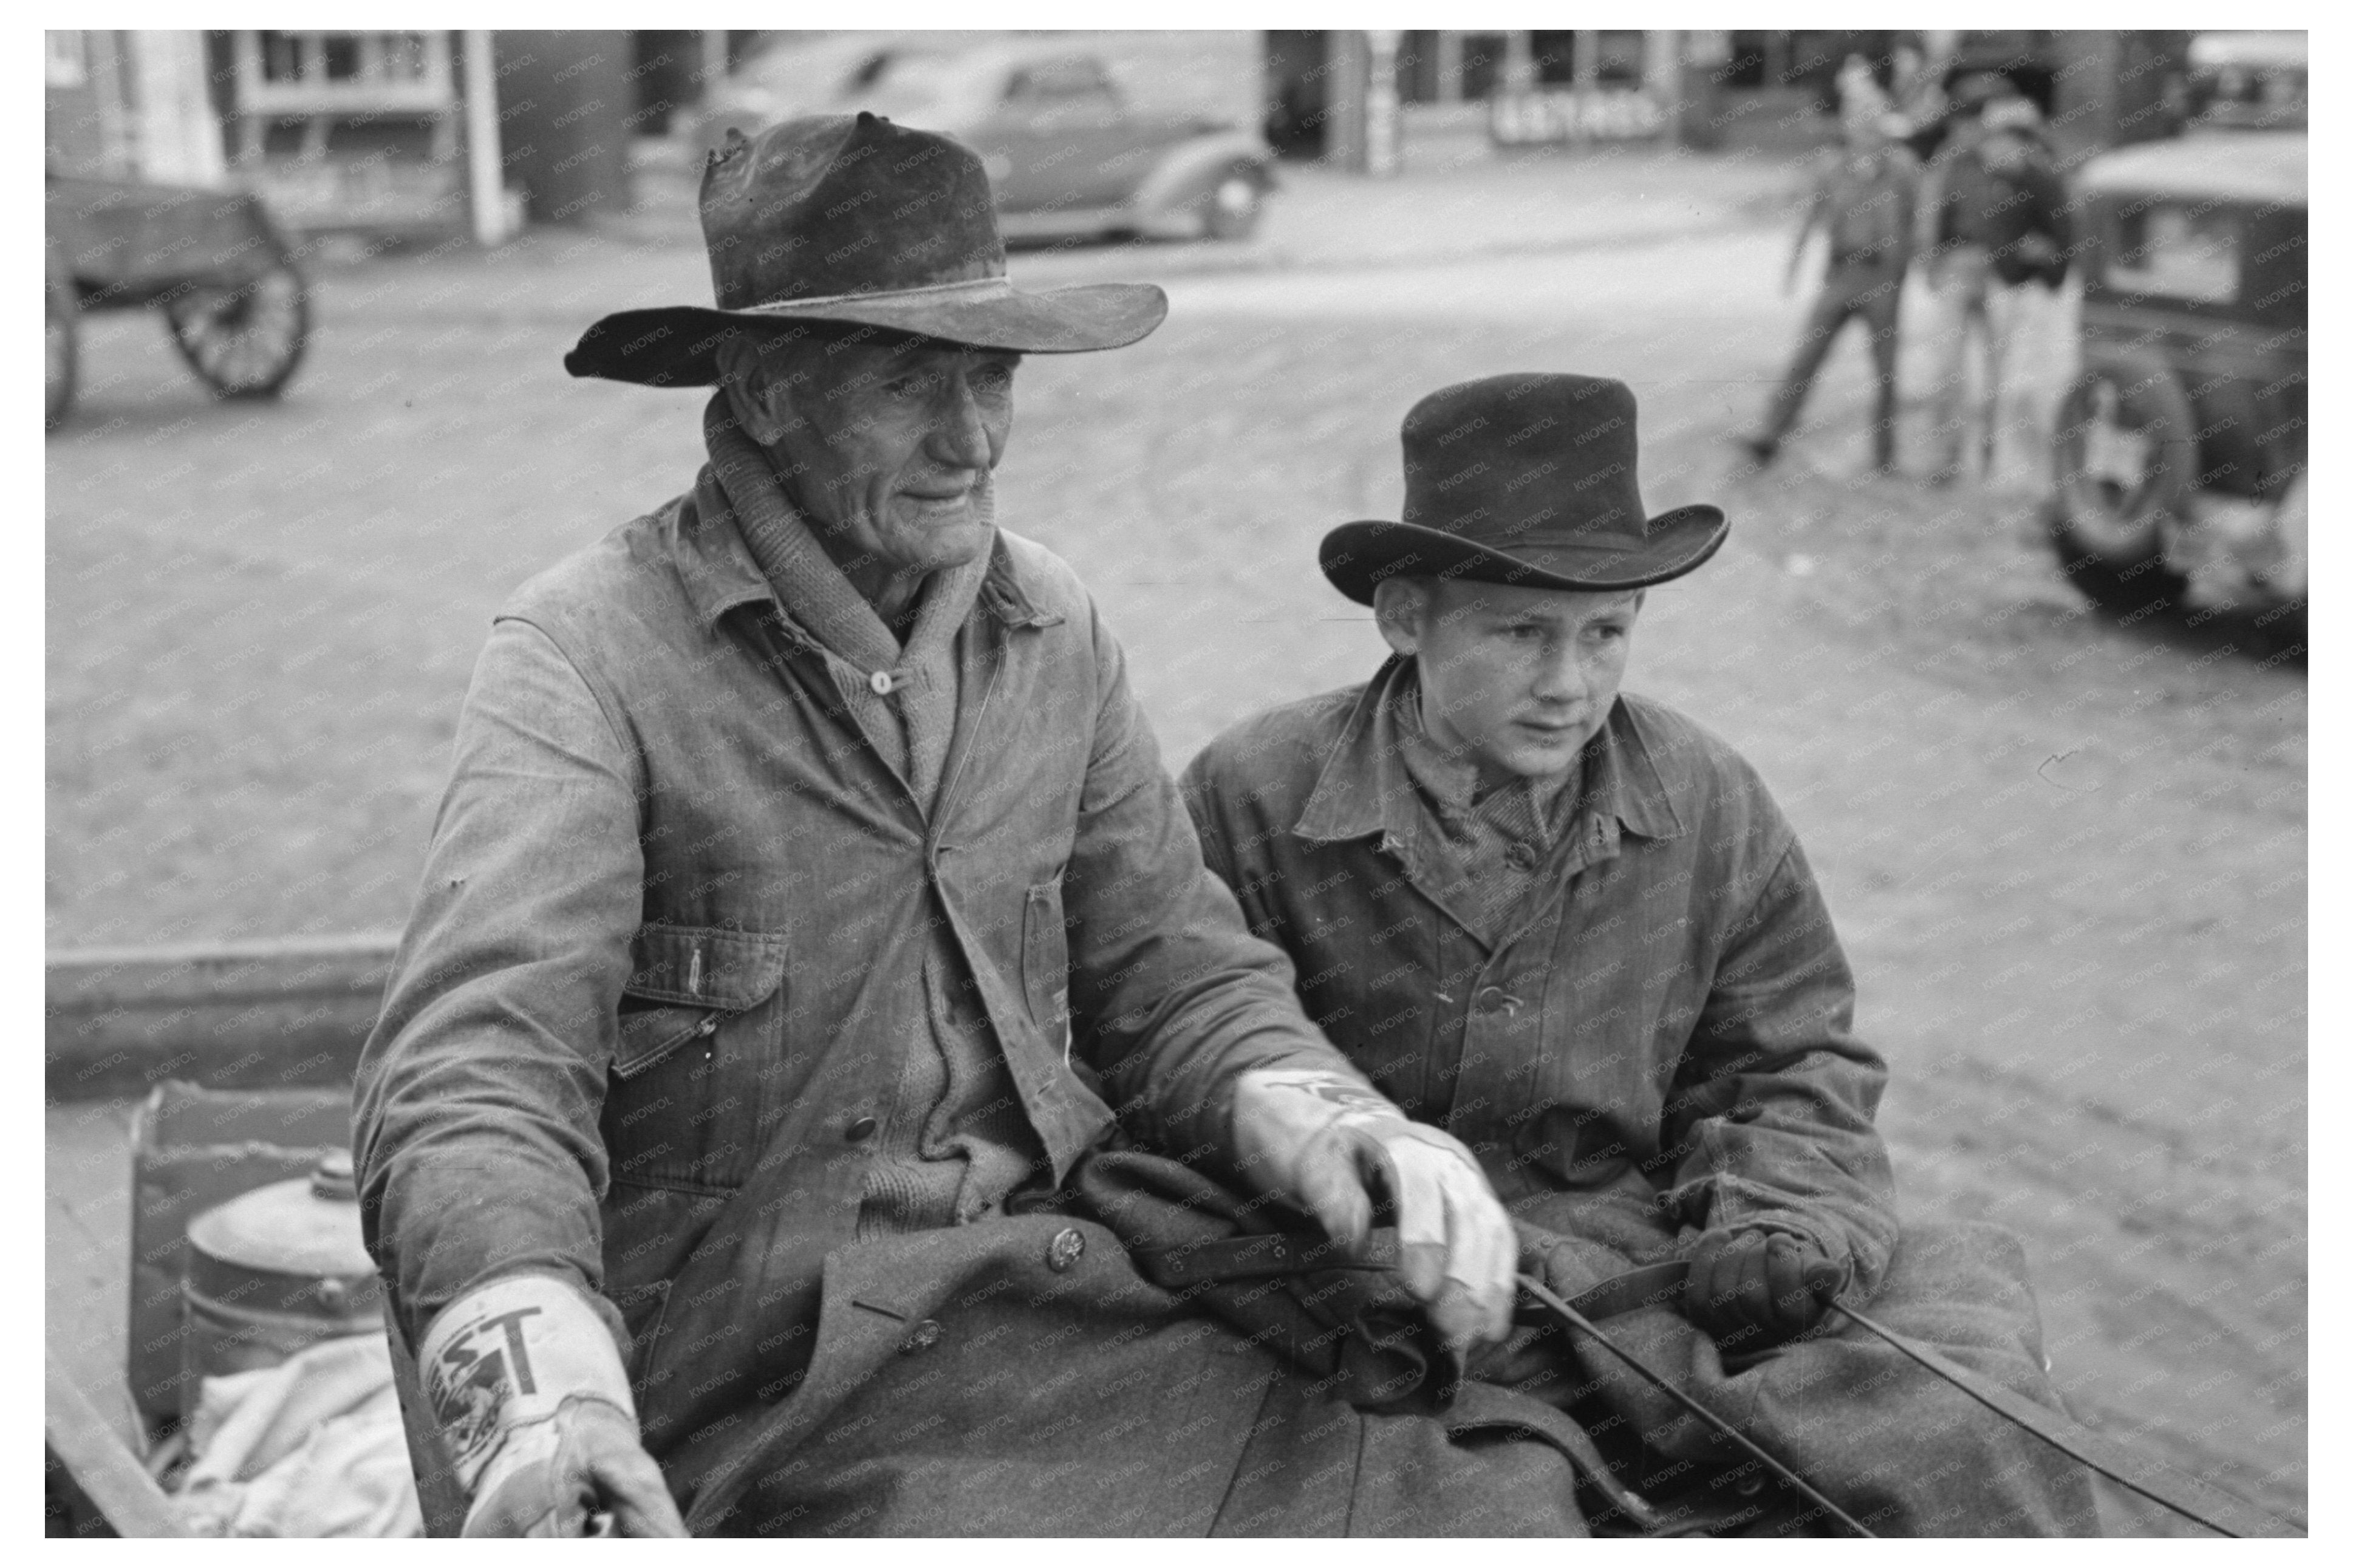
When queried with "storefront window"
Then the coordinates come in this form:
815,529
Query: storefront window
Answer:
68,59
1556,58
1617,59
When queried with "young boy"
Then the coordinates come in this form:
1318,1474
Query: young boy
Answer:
1571,928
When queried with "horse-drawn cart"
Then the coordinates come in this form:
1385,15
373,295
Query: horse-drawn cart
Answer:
213,262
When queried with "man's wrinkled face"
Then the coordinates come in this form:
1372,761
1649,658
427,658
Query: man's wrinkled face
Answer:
1513,680
888,445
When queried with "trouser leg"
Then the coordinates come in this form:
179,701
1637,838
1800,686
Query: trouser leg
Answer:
1880,310
1958,283
1823,319
2009,314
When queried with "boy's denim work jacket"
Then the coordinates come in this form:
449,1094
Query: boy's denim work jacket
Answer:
1664,1042
671,927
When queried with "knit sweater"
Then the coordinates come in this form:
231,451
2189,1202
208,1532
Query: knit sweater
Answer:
955,1142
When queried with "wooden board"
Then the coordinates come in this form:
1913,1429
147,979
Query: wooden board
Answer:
102,1468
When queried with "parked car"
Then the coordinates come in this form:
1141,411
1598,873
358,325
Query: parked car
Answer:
220,270
2178,451
1065,153
2249,80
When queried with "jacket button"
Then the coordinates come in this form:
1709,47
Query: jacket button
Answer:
1067,1247
859,1131
1521,857
881,682
1494,999
920,1338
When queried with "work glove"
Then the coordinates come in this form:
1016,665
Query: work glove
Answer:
1329,1144
527,1388
1750,1289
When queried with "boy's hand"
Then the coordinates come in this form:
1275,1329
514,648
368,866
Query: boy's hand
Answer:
1751,1289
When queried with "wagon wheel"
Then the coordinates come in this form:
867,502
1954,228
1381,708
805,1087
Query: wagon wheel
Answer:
1231,208
61,329
2124,455
245,341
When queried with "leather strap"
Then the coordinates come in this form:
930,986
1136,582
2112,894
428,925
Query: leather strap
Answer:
2208,1505
1655,1285
1278,1254
1269,1256
1661,1284
1544,1299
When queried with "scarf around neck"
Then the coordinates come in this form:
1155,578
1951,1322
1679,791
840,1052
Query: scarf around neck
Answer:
904,696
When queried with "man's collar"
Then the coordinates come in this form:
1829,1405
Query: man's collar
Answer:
720,575
1365,789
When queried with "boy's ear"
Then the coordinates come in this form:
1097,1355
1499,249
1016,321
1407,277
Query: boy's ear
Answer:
1401,609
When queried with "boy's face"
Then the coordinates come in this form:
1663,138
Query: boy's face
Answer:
1513,680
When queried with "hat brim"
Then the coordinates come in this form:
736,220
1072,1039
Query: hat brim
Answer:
1357,556
677,345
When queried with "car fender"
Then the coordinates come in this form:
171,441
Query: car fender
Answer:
1187,171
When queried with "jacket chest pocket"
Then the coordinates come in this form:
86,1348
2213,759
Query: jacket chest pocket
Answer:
1045,961
700,1021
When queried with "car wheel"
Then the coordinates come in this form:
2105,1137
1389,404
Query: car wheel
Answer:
61,330
2124,461
1231,208
244,341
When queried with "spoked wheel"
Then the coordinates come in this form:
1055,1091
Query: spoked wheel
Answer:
2124,457
244,341
1233,208
61,331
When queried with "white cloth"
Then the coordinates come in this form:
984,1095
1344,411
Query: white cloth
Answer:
309,1448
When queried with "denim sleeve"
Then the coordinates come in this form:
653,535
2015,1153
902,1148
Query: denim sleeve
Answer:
1774,1098
1170,995
477,1098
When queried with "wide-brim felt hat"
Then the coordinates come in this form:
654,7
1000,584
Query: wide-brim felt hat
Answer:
852,219
1527,481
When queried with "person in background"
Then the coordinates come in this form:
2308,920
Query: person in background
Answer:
1863,199
1995,237
1916,83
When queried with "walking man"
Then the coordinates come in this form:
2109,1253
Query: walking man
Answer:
1572,928
1862,202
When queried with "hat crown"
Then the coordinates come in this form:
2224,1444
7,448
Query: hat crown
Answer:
836,204
1531,460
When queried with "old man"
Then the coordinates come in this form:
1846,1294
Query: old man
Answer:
1570,927
807,894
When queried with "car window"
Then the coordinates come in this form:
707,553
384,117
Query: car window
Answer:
2178,250
1061,84
902,85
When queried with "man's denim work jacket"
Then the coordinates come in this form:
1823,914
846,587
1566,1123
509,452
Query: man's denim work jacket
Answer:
669,930
1665,1039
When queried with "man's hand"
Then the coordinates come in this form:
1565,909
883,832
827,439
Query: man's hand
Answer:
533,1405
1750,1289
585,1462
1321,1140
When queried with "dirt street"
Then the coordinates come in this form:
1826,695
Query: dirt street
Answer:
2067,858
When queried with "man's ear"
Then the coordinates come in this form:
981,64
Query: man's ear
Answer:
761,402
1401,607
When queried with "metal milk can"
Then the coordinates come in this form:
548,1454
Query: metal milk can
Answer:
273,1271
